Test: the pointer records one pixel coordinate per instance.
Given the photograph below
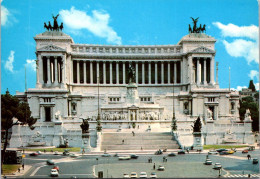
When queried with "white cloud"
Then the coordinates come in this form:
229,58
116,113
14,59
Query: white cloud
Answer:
239,88
96,24
4,15
257,86
254,74
248,49
9,63
31,64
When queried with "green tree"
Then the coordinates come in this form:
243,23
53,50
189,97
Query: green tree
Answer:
13,112
248,103
197,125
251,85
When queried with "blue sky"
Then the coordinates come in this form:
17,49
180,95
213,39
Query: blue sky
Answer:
234,23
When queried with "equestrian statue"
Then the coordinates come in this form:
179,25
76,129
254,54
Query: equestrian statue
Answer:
55,26
195,29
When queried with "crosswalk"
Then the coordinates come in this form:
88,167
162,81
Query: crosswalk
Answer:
243,176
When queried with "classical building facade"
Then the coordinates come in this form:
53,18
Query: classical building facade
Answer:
82,81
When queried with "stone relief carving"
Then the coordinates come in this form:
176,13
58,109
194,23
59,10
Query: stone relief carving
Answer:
209,114
51,48
202,50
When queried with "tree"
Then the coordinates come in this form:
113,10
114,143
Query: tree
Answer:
251,85
13,112
197,125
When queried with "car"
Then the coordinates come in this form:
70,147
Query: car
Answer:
161,168
221,150
126,176
39,152
158,152
217,166
245,151
230,151
153,175
255,161
143,175
54,173
133,156
171,154
34,154
208,162
133,175
73,155
251,148
124,157
212,152
224,153
57,168
116,155
50,162
66,153
106,155
56,153
181,152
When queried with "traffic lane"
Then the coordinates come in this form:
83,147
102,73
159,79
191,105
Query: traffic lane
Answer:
46,156
253,154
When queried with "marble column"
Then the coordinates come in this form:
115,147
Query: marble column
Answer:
156,73
111,77
48,70
84,73
123,72
150,75
212,70
136,72
98,80
117,72
175,72
190,74
143,79
39,68
78,73
56,70
181,71
169,73
204,71
63,70
104,72
91,72
162,72
198,71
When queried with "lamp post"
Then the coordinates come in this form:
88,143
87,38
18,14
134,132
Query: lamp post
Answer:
173,110
99,127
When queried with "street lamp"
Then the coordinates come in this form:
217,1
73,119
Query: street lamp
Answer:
99,127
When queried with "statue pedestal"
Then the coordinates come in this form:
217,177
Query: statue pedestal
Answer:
85,143
57,133
132,96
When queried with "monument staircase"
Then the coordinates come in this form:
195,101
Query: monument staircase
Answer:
138,141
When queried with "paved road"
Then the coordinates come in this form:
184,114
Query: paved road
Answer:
188,165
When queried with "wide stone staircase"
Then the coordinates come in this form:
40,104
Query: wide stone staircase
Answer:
144,141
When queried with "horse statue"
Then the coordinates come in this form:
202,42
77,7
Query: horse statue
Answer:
195,24
55,23
46,27
203,28
190,30
61,26
131,73
49,25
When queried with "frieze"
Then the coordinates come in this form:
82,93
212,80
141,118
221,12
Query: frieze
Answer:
202,50
51,48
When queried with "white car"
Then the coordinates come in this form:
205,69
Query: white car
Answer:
217,166
143,175
153,175
106,155
213,152
161,168
126,157
208,162
56,153
54,173
126,176
73,155
133,175
39,152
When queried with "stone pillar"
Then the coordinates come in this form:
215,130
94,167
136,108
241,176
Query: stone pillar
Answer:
156,73
149,63
63,70
104,72
162,72
78,73
56,70
190,74
204,71
91,72
181,71
123,72
111,77
216,72
98,80
39,68
84,72
198,72
143,79
136,72
169,73
212,70
117,72
48,70
175,72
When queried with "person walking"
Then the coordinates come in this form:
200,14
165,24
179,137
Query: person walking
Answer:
248,157
23,166
154,166
19,170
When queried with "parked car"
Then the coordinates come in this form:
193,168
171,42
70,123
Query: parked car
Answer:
57,168
73,155
126,176
224,153
181,152
54,173
125,157
245,151
171,154
133,156
230,151
251,148
208,162
106,155
66,152
116,155
56,153
255,161
39,152
133,175
153,175
161,168
217,166
221,150
158,152
34,154
143,175
212,152
50,162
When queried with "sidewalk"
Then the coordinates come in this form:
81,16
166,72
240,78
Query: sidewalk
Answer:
16,174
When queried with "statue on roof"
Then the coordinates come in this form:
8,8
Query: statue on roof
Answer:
55,26
131,73
195,29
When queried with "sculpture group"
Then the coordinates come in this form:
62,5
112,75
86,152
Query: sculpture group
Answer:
196,29
55,26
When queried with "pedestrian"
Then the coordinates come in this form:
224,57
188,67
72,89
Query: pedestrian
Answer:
188,150
249,176
123,141
248,157
207,157
163,159
19,170
23,166
166,160
141,148
154,166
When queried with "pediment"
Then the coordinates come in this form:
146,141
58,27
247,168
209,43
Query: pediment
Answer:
51,48
202,49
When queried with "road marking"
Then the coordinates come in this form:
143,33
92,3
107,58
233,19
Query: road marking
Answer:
65,175
36,170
